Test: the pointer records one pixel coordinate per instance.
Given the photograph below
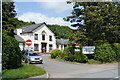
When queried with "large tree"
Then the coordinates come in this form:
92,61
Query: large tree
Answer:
95,18
8,17
11,57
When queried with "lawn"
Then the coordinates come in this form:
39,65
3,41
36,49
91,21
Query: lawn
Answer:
26,71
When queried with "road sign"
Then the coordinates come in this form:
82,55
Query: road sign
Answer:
77,46
88,49
28,42
77,50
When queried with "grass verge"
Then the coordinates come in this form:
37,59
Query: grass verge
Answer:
25,71
92,61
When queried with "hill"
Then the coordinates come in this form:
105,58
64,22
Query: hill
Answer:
59,31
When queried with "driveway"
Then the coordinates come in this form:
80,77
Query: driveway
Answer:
60,69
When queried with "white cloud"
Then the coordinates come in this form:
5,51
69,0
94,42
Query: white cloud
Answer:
57,7
38,18
40,0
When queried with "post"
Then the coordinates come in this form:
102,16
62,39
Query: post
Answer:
0,40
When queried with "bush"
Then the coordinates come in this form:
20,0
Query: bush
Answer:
74,56
55,53
65,54
116,48
70,57
104,53
80,57
11,54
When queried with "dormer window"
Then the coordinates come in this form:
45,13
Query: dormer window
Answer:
36,36
43,37
50,38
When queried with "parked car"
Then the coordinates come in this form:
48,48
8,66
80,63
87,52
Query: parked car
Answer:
24,51
32,57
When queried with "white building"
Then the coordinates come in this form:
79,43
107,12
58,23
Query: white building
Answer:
43,39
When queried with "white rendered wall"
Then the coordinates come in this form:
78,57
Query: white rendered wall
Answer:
39,31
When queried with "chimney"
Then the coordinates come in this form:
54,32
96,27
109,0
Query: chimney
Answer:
19,31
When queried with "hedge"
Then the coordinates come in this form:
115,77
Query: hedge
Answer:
116,48
80,57
104,53
11,54
69,55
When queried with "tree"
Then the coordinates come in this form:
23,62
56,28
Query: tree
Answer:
79,37
90,17
8,17
11,54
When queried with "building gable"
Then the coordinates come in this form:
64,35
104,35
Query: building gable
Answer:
43,26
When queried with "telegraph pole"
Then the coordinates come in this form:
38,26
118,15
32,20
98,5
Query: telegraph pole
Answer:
1,39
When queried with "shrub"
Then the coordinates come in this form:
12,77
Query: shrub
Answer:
104,53
116,48
55,53
80,57
65,54
11,54
70,57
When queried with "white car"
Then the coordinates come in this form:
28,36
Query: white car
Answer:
32,57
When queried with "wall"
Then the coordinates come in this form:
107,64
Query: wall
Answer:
48,33
39,31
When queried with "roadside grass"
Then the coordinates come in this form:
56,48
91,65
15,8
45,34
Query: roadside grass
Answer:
26,71
60,59
92,61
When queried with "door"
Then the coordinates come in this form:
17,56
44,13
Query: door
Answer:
43,47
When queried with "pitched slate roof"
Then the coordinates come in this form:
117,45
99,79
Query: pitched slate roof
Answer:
19,39
29,28
62,41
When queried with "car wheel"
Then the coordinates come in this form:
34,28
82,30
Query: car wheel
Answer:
28,62
41,62
23,59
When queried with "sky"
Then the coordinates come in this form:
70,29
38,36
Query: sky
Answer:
44,11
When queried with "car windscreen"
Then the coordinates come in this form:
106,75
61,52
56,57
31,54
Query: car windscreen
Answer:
33,54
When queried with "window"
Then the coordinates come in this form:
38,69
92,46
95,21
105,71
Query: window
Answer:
65,45
36,37
36,47
50,38
61,47
57,46
50,47
43,37
33,54
26,53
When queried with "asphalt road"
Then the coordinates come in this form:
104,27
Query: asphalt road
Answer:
58,69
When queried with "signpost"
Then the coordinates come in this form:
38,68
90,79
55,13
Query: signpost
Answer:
77,46
88,49
28,43
0,40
